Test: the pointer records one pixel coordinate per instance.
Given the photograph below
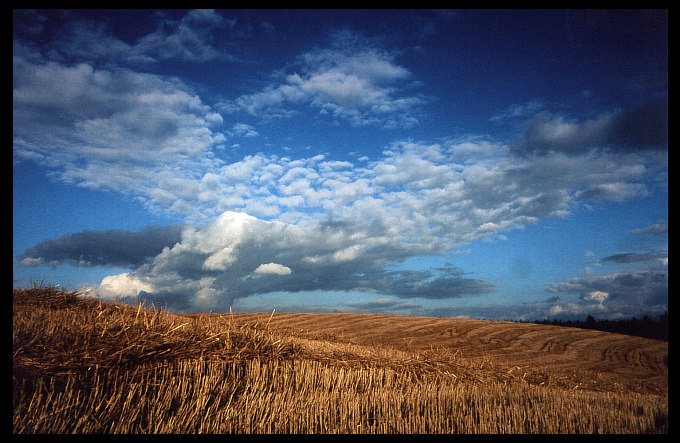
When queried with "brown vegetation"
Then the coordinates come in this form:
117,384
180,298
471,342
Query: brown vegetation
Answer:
86,366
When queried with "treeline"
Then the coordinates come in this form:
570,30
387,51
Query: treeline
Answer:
645,327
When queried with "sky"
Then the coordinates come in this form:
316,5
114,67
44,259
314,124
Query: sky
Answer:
495,164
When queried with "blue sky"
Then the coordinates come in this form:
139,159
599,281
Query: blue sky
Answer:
461,163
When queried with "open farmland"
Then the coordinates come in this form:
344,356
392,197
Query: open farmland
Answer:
553,355
86,366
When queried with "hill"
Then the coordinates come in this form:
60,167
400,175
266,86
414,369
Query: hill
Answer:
553,355
86,366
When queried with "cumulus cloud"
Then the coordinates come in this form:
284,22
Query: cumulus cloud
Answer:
242,130
616,295
338,227
123,286
239,255
153,138
598,296
272,268
272,223
613,191
613,296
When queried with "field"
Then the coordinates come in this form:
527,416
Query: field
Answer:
86,366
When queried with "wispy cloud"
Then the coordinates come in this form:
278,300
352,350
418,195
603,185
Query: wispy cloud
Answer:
659,228
352,81
518,111
632,257
188,39
636,128
112,129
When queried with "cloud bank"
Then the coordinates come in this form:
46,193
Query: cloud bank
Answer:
238,255
617,295
264,222
112,247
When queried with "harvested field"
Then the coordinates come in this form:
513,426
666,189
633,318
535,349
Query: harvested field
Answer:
555,355
85,366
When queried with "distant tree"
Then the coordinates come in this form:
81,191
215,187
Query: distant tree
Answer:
646,327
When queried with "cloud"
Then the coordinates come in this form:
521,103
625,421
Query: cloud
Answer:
242,130
272,268
353,81
383,305
517,111
643,127
598,296
631,257
613,296
112,247
659,228
189,39
338,227
616,295
238,255
613,191
113,129
153,138
122,286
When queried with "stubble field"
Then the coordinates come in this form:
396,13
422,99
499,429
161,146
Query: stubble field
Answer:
87,366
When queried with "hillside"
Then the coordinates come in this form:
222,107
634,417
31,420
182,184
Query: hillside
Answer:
87,366
559,356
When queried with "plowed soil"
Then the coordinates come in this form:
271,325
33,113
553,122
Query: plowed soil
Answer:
570,358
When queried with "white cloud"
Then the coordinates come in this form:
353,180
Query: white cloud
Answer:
618,294
559,134
103,130
272,268
206,298
598,296
336,226
357,83
113,129
123,285
242,130
238,255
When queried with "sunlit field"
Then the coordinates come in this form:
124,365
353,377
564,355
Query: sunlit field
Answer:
87,366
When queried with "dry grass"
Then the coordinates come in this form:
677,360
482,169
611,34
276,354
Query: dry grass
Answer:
85,366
